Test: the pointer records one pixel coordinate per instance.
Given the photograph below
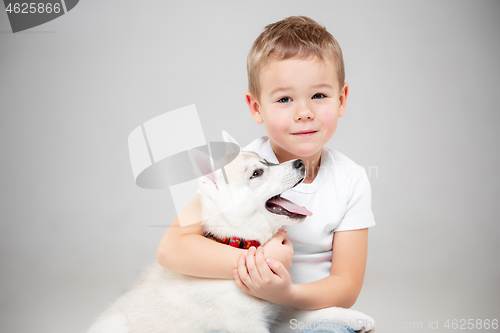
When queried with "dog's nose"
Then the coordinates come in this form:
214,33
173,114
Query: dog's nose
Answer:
298,164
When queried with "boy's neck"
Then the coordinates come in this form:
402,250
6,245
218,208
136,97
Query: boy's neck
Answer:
312,162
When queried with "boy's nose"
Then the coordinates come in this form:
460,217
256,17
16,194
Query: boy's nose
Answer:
304,113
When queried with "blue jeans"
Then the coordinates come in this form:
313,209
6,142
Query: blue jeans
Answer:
333,329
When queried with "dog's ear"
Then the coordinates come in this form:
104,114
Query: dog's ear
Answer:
228,138
202,167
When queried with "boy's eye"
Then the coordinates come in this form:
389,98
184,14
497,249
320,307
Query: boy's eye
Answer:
257,173
318,96
284,100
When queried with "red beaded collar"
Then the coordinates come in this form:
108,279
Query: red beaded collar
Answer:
235,241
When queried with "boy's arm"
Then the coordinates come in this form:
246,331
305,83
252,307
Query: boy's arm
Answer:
341,288
186,250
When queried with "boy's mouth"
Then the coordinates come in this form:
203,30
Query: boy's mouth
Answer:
304,133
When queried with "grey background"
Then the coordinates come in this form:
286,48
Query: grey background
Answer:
423,112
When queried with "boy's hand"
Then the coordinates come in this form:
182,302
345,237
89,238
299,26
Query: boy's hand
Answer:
279,248
263,278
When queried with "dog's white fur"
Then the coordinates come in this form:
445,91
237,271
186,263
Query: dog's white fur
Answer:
166,301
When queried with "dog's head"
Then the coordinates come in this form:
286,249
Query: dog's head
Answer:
244,199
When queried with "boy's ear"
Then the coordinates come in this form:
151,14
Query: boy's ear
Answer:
254,107
343,99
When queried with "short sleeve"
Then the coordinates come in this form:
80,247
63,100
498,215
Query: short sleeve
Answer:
358,213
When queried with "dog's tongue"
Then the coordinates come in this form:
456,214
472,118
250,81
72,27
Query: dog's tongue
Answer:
290,206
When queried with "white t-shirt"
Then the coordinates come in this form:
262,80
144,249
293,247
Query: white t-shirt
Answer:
339,198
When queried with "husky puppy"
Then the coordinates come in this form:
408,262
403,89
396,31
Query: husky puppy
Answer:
166,301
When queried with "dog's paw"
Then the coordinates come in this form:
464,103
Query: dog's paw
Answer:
353,319
361,322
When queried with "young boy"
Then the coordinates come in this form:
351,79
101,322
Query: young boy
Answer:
297,89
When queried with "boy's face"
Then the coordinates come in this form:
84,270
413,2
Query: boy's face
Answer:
300,104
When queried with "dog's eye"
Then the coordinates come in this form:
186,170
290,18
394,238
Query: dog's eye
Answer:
257,173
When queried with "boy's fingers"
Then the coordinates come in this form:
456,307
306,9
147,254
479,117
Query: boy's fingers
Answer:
238,281
242,271
277,267
280,235
262,266
251,267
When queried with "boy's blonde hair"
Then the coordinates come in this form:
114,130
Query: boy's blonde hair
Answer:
294,36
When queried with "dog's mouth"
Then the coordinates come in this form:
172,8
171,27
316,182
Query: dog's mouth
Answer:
298,182
282,206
